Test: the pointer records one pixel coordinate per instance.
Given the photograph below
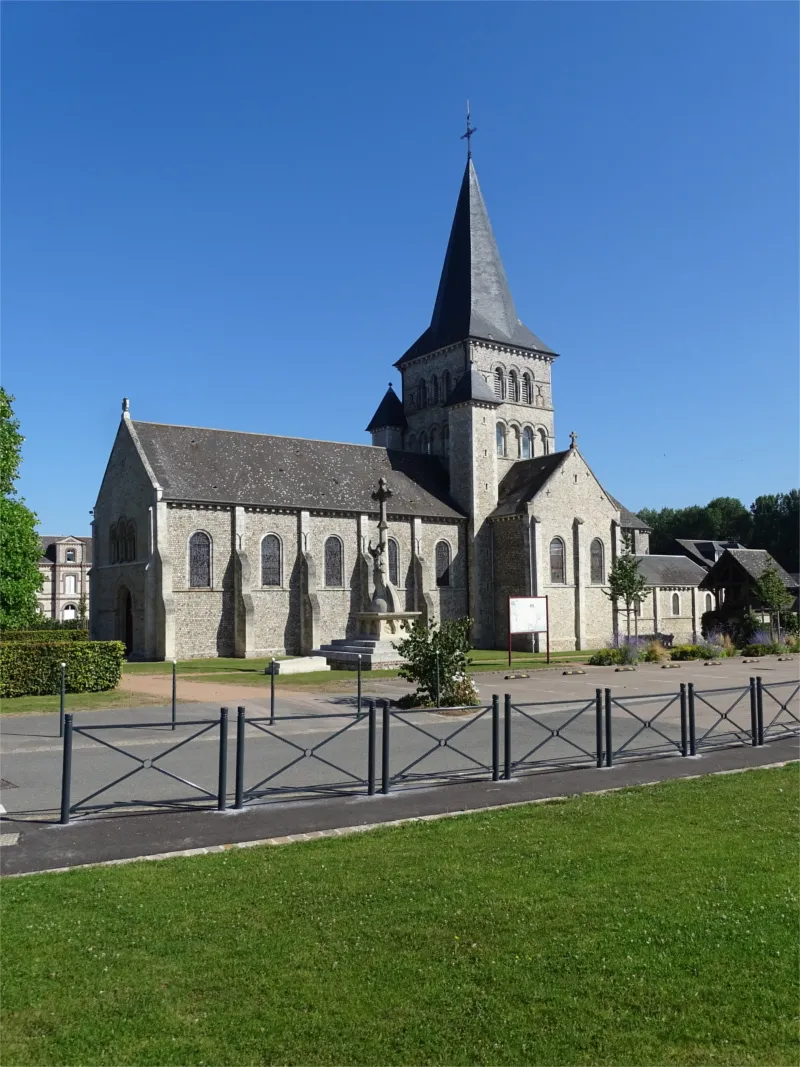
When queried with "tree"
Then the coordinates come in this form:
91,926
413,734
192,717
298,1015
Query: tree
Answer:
773,595
436,659
20,548
627,584
776,519
722,519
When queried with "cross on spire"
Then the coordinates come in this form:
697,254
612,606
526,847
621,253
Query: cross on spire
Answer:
574,439
468,135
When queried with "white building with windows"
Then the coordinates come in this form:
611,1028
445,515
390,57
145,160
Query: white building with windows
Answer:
213,542
64,565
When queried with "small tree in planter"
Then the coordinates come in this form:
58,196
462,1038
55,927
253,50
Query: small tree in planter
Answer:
625,583
774,595
438,654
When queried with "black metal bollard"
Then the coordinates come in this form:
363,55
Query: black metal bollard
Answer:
358,713
61,701
684,722
238,802
438,684
760,709
495,738
507,737
385,748
598,724
753,714
272,693
66,770
371,749
222,787
609,742
692,737
174,692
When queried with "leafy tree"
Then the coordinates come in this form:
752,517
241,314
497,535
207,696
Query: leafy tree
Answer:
776,521
436,659
773,595
626,583
20,548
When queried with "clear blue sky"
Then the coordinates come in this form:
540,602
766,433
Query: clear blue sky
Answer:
236,215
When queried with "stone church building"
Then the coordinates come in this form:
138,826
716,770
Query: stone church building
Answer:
212,542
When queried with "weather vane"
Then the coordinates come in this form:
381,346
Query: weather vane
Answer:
468,135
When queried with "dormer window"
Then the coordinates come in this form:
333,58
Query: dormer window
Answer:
70,555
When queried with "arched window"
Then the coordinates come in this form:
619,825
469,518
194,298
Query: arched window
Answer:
527,443
130,542
434,445
445,385
199,560
558,574
271,560
516,443
676,603
394,562
69,585
423,443
501,439
499,384
544,442
513,386
445,440
596,562
334,570
411,443
423,394
434,390
70,555
526,388
112,544
443,556
709,602
69,612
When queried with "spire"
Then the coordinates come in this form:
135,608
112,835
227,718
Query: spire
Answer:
474,299
390,412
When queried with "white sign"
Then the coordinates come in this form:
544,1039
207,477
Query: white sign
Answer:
527,615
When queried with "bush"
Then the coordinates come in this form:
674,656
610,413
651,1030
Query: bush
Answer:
446,646
655,653
790,623
606,657
31,669
43,635
774,648
683,652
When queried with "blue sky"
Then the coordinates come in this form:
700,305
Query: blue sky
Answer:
236,214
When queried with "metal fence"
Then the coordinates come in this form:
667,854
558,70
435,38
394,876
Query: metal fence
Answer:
383,749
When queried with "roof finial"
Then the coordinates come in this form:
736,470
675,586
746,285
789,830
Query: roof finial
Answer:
126,408
573,439
468,135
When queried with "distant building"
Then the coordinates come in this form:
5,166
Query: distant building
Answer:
704,552
735,576
65,565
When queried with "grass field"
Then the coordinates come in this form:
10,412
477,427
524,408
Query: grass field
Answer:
652,926
108,699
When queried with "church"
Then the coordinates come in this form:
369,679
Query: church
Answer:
219,543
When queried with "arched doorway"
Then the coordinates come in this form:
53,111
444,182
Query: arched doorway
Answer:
125,619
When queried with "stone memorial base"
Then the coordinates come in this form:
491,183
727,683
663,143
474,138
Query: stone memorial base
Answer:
378,631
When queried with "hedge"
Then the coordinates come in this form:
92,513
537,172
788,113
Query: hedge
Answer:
43,636
35,669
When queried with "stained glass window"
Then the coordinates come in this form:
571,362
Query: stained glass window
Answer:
271,560
394,562
596,561
442,563
709,602
199,560
423,394
333,562
557,569
112,544
130,543
527,443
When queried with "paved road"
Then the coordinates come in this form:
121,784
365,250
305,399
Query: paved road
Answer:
328,748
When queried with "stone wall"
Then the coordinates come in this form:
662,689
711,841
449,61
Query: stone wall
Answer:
204,618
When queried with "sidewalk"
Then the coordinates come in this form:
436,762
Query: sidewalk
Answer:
46,846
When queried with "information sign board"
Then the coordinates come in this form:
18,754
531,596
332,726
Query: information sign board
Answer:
528,615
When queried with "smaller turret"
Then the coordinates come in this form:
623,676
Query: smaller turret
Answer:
388,424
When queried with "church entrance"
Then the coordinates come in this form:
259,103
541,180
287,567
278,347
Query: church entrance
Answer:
125,619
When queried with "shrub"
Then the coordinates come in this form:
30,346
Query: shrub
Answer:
43,635
791,624
443,649
606,657
684,652
774,648
655,653
32,669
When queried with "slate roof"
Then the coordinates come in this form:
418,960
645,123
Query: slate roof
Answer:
226,467
670,570
48,544
523,481
471,386
628,520
705,552
753,561
390,412
474,299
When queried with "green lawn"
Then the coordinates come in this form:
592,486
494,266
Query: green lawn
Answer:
653,926
111,698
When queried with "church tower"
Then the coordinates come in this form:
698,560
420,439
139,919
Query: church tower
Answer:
476,386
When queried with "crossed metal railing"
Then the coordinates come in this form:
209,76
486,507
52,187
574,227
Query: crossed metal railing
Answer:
484,743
